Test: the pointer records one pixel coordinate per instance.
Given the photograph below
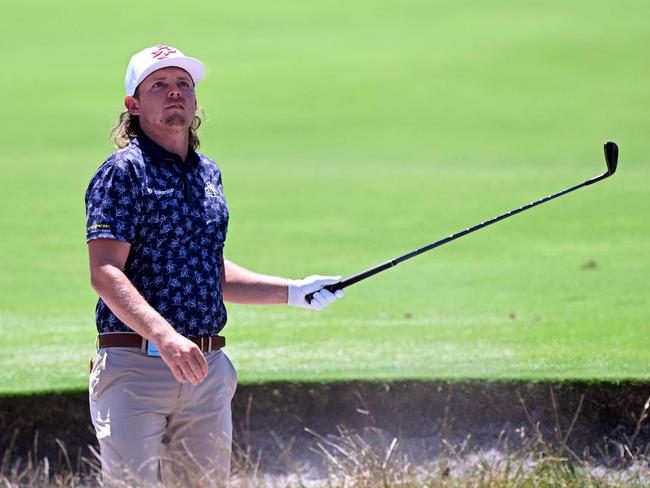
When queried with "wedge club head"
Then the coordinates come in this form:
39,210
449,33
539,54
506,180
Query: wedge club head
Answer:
611,157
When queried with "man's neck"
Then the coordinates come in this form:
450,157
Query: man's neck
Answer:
176,142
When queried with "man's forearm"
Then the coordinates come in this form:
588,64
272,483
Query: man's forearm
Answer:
241,285
128,305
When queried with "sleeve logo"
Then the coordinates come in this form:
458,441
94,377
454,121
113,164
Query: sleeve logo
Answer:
99,226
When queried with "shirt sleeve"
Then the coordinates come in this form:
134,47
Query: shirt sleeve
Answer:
113,205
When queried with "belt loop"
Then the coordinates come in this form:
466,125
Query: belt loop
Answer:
210,344
202,344
143,348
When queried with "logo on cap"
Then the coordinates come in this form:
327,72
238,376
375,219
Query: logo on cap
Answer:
162,51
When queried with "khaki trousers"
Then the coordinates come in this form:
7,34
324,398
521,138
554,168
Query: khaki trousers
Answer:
152,428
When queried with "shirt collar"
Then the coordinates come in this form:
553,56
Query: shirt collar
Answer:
158,154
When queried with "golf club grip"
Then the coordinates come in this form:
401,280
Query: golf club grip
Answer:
330,288
354,279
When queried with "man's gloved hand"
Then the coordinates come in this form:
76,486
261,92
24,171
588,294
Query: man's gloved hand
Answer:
298,289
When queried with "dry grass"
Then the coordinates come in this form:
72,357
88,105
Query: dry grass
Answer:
365,459
370,458
37,471
359,459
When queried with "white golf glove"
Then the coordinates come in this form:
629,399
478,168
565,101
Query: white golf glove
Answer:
298,289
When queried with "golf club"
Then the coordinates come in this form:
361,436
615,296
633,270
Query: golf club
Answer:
611,158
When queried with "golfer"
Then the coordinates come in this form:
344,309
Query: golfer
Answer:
161,386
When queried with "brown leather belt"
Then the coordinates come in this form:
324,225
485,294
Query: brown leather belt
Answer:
128,339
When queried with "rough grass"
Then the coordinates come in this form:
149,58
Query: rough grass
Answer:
366,459
529,451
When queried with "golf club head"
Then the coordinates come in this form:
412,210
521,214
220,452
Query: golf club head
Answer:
611,157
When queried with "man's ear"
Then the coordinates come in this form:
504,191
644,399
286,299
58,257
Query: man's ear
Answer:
132,105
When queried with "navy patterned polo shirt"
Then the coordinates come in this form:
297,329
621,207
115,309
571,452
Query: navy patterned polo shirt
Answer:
175,217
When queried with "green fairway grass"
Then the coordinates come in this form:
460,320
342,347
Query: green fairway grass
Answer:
349,133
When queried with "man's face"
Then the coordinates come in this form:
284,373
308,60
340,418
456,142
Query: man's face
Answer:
164,100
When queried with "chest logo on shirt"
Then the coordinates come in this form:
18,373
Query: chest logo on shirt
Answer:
210,190
160,193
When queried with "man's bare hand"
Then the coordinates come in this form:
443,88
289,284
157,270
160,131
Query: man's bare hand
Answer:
184,358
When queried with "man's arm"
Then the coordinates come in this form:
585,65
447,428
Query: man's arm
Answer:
107,260
241,285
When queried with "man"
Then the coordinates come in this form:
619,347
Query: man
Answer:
160,387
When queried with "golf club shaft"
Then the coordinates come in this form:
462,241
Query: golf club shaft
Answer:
394,262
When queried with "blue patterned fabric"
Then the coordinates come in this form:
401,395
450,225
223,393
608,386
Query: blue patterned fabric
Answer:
175,217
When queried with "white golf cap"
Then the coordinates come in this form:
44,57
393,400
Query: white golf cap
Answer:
154,58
